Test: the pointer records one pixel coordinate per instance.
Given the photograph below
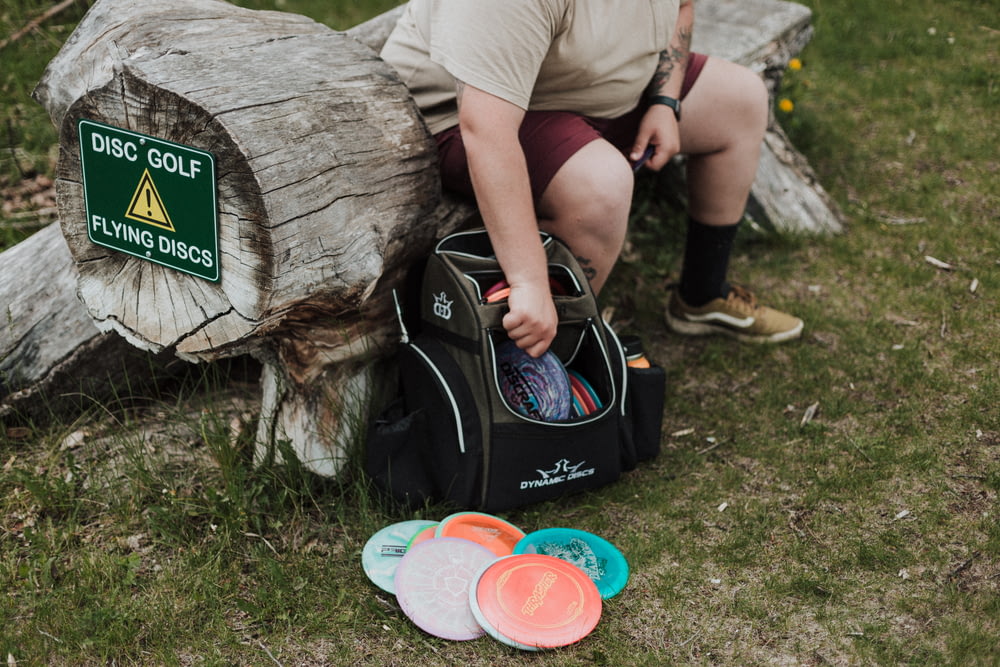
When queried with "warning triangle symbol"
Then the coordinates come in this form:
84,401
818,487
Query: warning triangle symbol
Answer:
146,205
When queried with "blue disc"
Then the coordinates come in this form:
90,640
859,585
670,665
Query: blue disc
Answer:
602,561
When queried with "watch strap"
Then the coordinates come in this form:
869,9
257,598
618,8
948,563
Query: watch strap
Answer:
671,102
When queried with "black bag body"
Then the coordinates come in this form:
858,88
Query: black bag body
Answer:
454,437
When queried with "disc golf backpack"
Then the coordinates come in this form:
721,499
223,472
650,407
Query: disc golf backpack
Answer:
451,436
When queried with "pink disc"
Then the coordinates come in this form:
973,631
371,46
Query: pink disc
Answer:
432,586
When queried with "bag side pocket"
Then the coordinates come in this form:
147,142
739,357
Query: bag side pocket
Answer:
644,409
394,458
433,384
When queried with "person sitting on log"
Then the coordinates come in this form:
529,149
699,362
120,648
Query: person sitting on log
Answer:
543,109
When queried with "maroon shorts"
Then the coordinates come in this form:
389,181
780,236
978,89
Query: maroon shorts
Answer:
549,138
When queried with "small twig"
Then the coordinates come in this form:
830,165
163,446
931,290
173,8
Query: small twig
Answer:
264,649
809,414
961,568
937,263
264,540
37,21
709,448
860,451
50,636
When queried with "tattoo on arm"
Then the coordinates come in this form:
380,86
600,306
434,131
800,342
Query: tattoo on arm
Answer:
672,58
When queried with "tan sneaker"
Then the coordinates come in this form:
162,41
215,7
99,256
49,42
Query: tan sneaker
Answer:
738,316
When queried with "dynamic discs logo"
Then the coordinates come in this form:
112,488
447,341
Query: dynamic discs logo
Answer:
442,306
561,472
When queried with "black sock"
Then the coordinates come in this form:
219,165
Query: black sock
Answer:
706,262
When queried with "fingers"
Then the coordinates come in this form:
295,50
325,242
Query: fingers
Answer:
660,131
531,321
532,336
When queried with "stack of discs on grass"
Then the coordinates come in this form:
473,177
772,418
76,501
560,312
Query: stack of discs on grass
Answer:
474,573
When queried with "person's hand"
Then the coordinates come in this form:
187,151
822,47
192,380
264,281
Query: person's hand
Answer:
532,320
658,128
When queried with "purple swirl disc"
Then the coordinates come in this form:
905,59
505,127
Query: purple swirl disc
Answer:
537,388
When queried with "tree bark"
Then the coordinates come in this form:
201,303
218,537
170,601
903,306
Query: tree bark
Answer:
53,360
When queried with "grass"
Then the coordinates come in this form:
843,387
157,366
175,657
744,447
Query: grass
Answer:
867,534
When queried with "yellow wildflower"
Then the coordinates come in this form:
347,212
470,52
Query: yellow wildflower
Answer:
786,105
795,64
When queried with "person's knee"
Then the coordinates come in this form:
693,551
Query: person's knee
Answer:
607,195
753,99
592,192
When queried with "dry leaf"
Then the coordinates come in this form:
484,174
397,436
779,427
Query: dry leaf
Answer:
809,414
73,440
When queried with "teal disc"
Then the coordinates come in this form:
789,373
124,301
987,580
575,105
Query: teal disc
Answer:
602,561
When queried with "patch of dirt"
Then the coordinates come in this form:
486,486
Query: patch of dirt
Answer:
31,196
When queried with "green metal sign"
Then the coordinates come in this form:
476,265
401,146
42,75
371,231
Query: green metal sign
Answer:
150,198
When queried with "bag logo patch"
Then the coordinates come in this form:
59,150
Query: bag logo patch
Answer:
442,306
561,472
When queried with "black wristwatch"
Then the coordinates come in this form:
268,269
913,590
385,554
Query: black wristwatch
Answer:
667,101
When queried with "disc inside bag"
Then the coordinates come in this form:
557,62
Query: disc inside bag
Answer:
580,395
534,387
598,558
501,290
385,549
432,586
593,401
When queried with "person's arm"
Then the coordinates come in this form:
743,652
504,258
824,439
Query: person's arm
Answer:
659,126
489,127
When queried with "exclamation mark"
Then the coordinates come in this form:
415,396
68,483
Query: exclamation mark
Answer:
149,204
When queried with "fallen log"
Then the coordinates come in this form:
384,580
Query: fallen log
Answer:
52,358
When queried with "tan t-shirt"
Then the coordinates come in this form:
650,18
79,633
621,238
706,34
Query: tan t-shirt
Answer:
594,57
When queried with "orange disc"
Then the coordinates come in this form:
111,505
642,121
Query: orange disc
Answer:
537,601
492,532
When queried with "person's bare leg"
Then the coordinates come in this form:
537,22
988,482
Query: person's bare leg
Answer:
587,205
724,120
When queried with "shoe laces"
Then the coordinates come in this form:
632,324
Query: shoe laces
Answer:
742,298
